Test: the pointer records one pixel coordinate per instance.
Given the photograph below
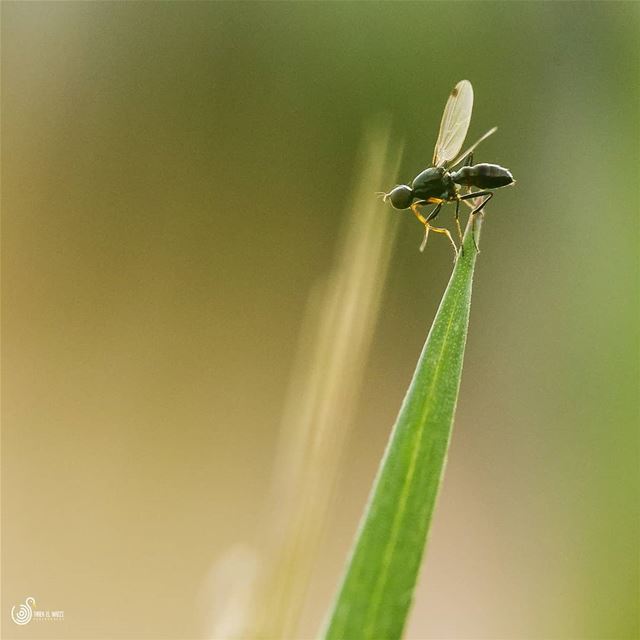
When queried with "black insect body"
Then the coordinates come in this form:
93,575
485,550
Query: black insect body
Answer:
433,183
438,184
483,176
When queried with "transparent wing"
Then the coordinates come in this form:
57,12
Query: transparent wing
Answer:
466,152
454,125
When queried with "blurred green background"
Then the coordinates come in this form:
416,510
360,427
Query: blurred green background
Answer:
174,179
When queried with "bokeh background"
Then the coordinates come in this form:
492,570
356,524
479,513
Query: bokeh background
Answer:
174,180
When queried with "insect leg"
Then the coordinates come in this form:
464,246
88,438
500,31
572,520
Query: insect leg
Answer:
435,212
476,210
416,213
467,163
479,208
478,194
428,227
426,235
458,223
425,221
446,233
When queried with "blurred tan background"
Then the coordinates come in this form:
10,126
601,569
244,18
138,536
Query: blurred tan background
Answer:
174,181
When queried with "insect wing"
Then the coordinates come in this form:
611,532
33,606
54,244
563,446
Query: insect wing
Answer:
455,123
466,152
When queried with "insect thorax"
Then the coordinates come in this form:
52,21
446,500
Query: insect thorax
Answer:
432,183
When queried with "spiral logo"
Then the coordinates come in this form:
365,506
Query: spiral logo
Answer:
22,613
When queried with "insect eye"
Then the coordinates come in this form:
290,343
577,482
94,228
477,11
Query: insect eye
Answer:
400,197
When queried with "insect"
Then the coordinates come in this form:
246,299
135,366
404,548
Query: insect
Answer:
439,184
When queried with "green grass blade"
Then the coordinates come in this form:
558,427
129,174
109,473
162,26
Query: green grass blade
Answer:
377,588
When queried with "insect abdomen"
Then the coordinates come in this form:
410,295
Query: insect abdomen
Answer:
483,176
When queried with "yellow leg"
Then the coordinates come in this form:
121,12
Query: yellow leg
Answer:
446,233
417,214
428,227
423,221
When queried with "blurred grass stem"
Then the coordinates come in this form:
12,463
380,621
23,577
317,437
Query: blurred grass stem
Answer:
325,385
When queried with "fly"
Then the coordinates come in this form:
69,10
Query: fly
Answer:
439,184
